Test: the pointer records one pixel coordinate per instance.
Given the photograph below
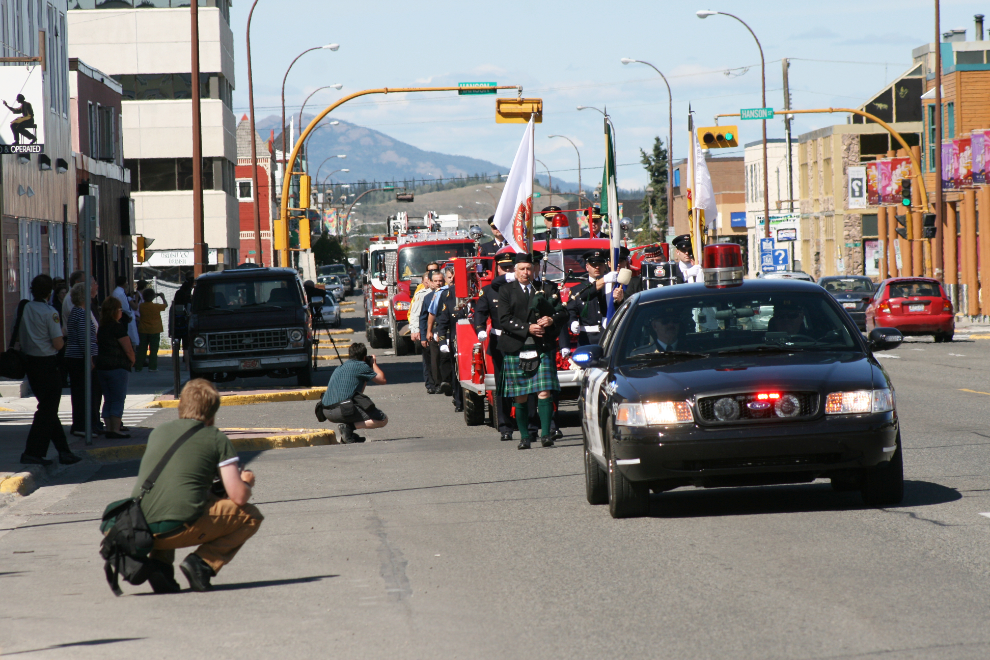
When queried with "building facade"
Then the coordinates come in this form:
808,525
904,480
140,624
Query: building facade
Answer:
729,184
784,216
246,194
147,49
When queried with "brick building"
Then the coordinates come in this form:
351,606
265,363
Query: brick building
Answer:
246,194
729,182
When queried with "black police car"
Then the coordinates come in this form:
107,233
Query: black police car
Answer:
764,382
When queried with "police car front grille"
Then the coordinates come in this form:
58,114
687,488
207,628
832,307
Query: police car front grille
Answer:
755,462
808,407
243,342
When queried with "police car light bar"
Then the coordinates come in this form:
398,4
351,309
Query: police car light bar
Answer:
722,264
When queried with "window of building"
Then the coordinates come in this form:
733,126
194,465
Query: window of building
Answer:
677,178
167,86
950,120
874,144
931,137
223,5
167,174
244,190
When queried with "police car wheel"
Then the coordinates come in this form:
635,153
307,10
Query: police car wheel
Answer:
884,484
595,485
625,499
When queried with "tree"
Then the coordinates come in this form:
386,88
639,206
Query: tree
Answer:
656,166
326,250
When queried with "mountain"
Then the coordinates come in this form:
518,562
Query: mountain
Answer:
374,156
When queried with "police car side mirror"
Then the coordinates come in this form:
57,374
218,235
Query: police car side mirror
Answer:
587,356
884,339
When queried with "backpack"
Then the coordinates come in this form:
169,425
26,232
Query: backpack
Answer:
127,537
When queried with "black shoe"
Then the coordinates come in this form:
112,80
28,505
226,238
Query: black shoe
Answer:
507,436
557,434
357,438
27,459
198,572
458,409
345,434
430,390
524,444
446,389
111,435
68,458
76,432
162,581
547,441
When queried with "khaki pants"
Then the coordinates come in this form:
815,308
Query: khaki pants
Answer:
219,533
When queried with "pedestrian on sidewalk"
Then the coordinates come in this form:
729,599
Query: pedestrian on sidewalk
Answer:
150,329
181,509
344,401
75,362
129,308
113,365
39,335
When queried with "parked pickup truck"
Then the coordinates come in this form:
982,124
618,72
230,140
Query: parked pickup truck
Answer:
250,322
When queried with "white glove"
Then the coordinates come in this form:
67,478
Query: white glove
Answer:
483,335
444,348
510,277
610,278
435,337
566,352
575,327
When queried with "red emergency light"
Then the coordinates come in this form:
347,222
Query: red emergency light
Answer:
722,264
765,396
561,226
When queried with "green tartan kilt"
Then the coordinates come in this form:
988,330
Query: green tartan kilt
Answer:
515,382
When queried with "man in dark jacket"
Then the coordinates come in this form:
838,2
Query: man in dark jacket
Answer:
587,306
445,326
530,317
491,247
484,309
430,370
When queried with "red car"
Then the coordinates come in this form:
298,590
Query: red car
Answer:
913,305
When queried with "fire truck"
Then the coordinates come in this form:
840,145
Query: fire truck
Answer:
376,306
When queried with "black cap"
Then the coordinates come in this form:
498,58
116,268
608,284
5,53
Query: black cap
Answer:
596,213
491,219
683,243
623,252
550,211
596,256
523,258
505,258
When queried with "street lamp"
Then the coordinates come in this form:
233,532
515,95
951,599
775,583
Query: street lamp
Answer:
670,135
589,107
254,147
705,13
331,47
580,190
549,179
336,86
487,193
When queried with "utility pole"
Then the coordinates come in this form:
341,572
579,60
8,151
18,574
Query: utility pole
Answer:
199,248
787,132
939,239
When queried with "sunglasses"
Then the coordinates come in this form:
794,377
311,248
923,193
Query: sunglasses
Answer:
790,314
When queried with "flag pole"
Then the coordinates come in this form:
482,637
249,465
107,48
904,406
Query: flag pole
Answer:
692,213
532,187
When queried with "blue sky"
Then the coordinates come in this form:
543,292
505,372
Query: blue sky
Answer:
842,52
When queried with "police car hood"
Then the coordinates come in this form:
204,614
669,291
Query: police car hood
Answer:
821,372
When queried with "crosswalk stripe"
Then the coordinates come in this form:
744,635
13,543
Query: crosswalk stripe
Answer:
65,416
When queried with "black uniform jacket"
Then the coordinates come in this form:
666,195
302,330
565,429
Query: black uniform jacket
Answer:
487,308
445,315
587,305
489,248
517,311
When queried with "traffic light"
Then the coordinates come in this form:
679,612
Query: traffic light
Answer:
518,111
304,191
928,229
404,197
304,240
139,251
718,137
906,192
902,229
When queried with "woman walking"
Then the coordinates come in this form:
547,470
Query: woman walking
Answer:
113,365
75,356
39,334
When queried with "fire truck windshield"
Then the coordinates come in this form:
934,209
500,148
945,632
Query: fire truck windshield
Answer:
562,261
414,260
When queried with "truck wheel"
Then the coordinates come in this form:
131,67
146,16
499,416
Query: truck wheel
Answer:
625,499
378,339
304,377
474,408
595,486
884,484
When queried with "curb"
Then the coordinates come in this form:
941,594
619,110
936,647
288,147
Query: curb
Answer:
133,452
21,483
311,394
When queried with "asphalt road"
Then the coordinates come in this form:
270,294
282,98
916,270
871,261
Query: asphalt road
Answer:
436,540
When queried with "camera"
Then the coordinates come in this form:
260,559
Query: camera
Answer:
369,360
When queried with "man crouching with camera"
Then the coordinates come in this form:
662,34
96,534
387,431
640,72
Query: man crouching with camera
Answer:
344,401
187,507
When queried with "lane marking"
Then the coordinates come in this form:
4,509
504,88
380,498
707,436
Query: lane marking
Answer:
974,392
985,514
885,355
627,461
957,355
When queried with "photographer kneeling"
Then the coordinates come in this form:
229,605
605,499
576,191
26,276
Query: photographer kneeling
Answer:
344,401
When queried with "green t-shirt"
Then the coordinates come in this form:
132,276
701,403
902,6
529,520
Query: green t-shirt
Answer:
181,491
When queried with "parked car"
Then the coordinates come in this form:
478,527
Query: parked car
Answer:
787,275
854,293
913,305
332,284
340,270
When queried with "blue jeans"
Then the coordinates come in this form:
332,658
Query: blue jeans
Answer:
113,382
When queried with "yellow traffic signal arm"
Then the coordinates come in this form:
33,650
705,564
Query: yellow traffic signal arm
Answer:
282,224
915,165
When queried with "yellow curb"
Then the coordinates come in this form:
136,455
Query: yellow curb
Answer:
21,483
7,410
310,394
979,336
975,392
133,452
339,331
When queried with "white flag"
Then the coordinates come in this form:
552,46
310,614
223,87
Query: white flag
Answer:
704,194
515,207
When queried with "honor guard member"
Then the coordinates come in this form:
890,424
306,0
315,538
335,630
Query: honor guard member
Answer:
485,309
636,283
530,316
688,270
493,246
587,306
446,324
548,213
595,224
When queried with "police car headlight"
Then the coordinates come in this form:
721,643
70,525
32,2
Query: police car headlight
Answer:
859,402
402,306
661,413
295,335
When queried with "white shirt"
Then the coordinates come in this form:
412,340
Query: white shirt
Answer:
39,326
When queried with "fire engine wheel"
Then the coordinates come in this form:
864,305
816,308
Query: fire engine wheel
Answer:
474,408
379,339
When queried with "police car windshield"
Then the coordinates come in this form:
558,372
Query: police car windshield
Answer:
234,295
414,260
721,322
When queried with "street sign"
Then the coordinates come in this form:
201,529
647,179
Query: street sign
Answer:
756,113
766,245
470,88
780,257
766,260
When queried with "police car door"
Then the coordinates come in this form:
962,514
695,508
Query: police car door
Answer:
597,388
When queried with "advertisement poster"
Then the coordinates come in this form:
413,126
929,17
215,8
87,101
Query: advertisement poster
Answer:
985,158
949,158
330,221
22,116
978,157
857,187
900,169
883,181
872,189
964,164
871,260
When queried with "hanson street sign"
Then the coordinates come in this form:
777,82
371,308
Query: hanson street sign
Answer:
756,113
476,88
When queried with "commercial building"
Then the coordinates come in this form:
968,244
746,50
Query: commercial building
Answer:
147,49
246,194
784,217
729,184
